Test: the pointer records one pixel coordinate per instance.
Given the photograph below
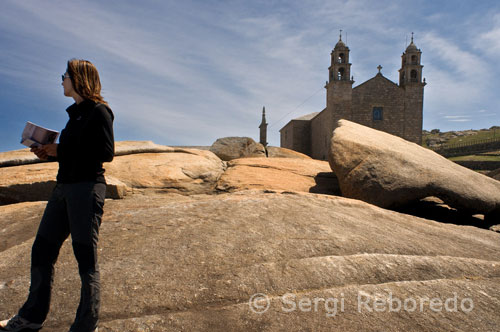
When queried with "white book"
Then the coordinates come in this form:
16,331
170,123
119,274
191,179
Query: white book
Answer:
35,136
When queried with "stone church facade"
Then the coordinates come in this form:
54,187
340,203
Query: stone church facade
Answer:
377,103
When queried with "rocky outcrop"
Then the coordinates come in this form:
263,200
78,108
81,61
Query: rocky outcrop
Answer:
123,148
30,182
229,148
191,263
277,152
389,171
24,156
189,171
173,170
18,157
301,175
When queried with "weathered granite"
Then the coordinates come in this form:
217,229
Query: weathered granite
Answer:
179,170
389,171
277,152
301,175
229,148
178,263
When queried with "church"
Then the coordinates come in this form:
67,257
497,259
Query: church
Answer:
378,103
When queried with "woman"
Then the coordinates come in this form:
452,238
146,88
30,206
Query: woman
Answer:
76,204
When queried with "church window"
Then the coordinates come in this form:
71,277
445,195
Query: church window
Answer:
414,59
378,113
341,58
413,76
340,74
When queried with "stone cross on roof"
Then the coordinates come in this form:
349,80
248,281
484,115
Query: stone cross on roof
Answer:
379,69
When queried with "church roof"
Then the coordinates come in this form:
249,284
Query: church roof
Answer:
378,76
307,117
340,44
411,47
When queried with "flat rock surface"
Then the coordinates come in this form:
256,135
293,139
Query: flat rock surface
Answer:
24,156
305,175
277,152
389,171
191,263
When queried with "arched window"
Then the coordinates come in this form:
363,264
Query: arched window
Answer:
341,58
413,76
340,74
413,59
378,113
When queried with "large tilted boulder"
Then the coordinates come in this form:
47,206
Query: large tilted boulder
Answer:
229,148
191,263
389,171
304,175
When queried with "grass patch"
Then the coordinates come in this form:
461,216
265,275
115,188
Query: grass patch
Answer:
475,158
478,135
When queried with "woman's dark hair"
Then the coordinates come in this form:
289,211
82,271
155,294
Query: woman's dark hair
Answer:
85,79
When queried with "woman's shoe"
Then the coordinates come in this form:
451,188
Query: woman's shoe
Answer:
18,324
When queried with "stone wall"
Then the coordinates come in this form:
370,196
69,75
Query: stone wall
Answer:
414,99
296,135
321,126
402,114
380,92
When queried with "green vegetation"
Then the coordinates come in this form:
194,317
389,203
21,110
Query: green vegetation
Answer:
463,136
478,157
437,138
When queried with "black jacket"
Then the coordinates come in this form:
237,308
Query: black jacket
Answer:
85,143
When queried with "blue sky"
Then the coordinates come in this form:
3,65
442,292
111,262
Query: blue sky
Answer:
188,72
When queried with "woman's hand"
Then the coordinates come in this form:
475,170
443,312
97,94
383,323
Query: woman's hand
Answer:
43,152
50,149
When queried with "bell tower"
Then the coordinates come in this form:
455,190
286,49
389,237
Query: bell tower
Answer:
411,69
410,79
339,85
340,68
338,100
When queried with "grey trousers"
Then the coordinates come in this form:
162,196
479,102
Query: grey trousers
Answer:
76,209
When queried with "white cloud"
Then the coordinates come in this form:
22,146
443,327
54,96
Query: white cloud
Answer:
191,71
489,41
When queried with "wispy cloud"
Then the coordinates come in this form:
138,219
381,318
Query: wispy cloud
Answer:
190,72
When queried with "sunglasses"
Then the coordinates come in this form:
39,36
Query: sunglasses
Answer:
64,76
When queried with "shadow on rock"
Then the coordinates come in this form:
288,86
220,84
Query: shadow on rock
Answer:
434,209
326,183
